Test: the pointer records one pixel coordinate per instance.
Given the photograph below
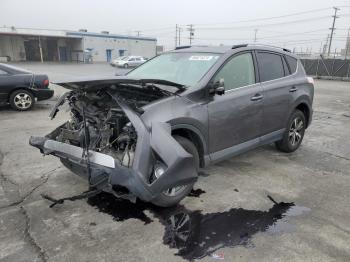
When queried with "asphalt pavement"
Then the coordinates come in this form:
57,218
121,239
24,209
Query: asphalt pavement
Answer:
260,206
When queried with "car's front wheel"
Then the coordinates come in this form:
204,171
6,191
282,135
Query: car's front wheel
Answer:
172,196
294,133
126,66
21,100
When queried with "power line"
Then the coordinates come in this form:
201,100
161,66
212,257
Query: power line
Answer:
289,34
267,25
269,18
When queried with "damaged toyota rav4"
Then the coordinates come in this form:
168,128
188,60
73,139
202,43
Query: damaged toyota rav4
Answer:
146,135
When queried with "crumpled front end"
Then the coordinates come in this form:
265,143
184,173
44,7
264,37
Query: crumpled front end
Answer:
106,142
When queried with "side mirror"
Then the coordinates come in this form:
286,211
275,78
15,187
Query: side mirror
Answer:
218,87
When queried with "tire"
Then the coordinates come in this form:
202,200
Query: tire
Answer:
294,134
164,199
21,100
126,66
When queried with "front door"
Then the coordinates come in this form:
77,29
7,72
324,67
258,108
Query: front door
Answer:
235,117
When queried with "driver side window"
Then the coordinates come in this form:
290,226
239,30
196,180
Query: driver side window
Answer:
237,72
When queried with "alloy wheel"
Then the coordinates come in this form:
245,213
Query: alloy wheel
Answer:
295,131
23,101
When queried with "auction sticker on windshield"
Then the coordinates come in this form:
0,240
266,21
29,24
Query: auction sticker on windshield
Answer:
202,57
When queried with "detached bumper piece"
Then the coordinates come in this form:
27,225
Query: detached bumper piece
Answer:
107,172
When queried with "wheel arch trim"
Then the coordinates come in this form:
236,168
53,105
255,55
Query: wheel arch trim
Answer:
203,150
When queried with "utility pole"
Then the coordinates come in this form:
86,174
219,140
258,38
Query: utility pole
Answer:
176,28
347,45
138,33
332,28
325,46
191,29
256,31
180,29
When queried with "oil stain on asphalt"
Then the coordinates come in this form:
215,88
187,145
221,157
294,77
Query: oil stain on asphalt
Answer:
196,235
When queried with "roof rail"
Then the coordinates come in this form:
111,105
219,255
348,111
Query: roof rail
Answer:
182,47
238,46
273,46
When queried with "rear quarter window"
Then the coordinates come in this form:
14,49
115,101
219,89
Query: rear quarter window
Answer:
292,62
270,66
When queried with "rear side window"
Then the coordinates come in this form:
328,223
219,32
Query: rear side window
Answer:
292,62
270,66
237,72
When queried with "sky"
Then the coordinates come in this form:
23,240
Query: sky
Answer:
300,24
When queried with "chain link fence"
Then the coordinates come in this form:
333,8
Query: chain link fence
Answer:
330,68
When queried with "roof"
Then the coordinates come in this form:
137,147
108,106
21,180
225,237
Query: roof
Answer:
90,34
203,49
65,33
225,49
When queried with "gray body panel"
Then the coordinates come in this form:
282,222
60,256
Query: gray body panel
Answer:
221,125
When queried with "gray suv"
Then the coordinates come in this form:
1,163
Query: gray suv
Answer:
145,135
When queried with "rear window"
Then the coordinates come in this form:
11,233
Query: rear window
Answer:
292,62
270,66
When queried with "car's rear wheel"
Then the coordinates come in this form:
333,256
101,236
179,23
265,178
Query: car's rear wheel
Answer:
294,133
21,100
172,196
126,66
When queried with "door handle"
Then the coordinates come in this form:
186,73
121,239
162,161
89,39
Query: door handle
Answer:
293,89
256,97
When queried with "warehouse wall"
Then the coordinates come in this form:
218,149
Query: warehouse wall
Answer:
12,47
133,47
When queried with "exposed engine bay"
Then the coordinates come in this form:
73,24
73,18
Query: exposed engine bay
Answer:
98,123
107,141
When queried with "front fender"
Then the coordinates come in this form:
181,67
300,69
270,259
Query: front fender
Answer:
157,139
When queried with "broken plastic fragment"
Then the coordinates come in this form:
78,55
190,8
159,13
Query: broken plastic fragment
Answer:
219,256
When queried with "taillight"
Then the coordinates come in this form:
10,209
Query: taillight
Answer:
46,82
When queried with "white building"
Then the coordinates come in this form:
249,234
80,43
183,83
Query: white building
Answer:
26,44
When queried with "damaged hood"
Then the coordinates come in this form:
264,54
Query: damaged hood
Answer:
94,84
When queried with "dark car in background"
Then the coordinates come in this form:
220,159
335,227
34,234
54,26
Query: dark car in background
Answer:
145,135
20,88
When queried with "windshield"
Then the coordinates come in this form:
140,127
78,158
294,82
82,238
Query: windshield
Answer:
183,68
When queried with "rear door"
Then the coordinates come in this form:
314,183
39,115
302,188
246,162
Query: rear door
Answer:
235,117
273,73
